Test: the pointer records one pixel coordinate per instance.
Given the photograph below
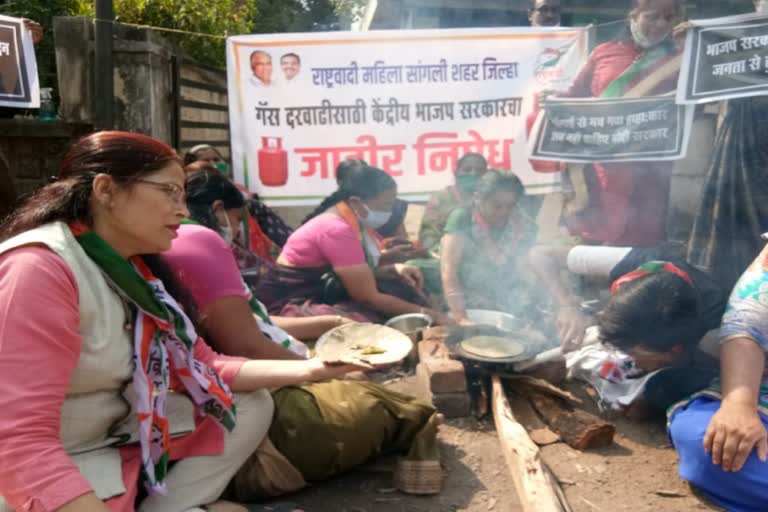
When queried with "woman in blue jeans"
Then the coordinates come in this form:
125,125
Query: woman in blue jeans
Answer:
720,433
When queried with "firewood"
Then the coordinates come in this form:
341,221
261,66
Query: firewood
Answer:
537,489
541,386
525,414
578,428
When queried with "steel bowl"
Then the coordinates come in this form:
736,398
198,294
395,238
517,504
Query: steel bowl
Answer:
502,321
411,325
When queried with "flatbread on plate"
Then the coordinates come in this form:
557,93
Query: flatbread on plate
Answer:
366,344
492,347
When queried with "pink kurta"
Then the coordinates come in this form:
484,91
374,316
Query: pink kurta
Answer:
39,349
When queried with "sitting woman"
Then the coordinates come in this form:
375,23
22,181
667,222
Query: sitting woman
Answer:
469,169
269,222
124,368
396,248
331,263
202,259
720,434
312,436
484,247
394,227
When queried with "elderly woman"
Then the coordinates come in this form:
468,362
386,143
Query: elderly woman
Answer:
720,434
626,203
129,386
484,247
469,169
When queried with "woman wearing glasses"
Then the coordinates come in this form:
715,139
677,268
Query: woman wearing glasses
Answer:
129,386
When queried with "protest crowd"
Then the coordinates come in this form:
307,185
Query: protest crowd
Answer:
158,320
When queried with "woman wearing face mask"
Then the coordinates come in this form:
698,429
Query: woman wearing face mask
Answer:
626,203
331,263
469,169
484,248
263,222
202,257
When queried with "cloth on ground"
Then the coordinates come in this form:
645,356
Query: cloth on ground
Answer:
619,382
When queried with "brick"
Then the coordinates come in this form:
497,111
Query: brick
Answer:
435,333
432,349
453,405
444,375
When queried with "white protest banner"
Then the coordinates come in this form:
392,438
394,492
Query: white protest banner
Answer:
409,102
724,58
19,85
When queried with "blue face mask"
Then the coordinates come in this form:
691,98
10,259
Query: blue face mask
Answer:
375,218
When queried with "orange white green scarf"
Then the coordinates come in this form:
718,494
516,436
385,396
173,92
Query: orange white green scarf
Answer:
350,218
164,338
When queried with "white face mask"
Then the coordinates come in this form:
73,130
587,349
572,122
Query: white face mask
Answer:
761,7
227,233
642,40
375,218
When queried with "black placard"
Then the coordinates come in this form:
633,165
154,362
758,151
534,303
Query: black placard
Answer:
612,130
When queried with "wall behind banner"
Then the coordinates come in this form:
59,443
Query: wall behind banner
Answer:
395,14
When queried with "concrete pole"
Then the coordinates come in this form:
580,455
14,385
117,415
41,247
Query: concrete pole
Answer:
103,68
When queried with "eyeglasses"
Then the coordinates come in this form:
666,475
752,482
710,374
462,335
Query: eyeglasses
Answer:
173,191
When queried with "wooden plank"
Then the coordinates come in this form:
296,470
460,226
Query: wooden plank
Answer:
204,106
194,84
536,489
204,124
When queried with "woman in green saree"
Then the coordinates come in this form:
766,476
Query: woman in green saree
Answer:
484,247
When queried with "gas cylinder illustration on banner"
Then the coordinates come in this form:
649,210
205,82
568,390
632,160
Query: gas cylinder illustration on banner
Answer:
273,162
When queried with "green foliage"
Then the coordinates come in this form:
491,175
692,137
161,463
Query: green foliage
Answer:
211,17
275,16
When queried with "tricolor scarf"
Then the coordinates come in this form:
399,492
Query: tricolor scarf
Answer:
164,338
650,59
651,267
350,218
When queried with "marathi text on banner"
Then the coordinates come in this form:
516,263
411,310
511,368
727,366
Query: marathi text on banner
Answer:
411,102
615,130
725,58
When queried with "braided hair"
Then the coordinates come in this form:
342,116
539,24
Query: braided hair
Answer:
356,179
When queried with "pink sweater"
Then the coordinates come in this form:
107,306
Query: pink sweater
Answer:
39,349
